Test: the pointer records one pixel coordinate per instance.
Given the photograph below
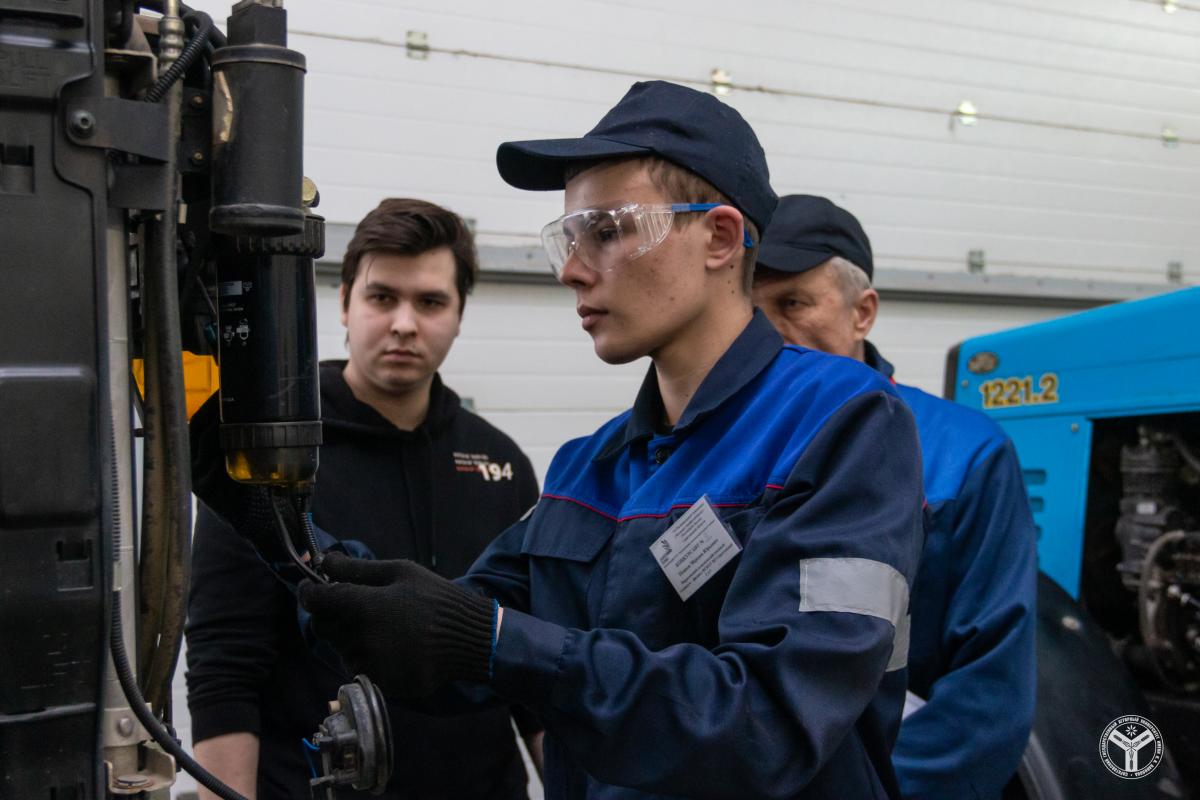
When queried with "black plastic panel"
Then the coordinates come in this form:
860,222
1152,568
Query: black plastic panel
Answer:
53,450
47,469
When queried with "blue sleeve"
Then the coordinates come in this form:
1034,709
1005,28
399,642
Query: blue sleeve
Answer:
759,714
967,740
502,570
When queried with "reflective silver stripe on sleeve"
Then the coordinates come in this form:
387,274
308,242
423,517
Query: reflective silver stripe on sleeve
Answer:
899,659
911,704
855,586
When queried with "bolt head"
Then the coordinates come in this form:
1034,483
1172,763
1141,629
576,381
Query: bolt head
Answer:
197,101
82,123
125,726
198,157
308,192
1071,623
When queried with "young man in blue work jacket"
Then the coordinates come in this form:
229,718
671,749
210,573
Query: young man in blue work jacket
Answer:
971,651
705,600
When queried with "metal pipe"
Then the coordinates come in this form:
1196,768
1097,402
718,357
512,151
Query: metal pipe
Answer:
119,735
171,36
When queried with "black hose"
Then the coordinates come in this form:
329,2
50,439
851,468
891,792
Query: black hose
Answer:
285,539
166,499
195,45
216,38
157,731
310,535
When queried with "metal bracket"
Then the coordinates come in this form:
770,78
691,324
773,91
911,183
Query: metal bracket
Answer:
138,186
416,44
114,123
156,772
721,81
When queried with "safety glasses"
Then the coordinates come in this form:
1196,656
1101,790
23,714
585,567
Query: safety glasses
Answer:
605,238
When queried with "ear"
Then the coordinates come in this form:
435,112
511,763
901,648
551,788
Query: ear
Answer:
725,244
865,311
342,304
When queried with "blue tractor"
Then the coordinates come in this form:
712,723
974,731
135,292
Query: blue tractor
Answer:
1104,410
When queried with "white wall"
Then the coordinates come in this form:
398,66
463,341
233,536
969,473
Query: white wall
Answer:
1067,189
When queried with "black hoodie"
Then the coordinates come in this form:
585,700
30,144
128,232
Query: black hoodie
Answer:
437,495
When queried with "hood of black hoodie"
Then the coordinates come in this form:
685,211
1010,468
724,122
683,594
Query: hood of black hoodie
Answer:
345,414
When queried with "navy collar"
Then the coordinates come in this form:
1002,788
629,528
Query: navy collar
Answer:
754,348
877,362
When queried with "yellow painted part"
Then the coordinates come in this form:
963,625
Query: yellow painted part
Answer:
200,379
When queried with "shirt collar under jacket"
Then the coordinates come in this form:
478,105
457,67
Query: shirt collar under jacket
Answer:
754,348
877,362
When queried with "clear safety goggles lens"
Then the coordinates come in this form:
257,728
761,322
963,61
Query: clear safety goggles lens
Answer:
605,238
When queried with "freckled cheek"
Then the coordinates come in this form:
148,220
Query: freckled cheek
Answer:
637,287
666,286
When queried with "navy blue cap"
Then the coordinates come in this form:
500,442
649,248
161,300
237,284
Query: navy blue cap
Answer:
807,231
689,128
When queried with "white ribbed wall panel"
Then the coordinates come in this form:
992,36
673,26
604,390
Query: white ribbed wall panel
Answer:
1051,194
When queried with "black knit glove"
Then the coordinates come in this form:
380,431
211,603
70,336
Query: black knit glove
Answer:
245,507
408,629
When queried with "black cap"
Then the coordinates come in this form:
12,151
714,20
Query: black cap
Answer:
689,128
807,231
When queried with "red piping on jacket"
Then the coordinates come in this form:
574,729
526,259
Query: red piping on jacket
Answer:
606,515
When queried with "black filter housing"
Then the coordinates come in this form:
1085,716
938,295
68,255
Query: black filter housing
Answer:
258,127
266,339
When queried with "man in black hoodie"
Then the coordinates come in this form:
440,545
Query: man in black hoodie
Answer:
405,472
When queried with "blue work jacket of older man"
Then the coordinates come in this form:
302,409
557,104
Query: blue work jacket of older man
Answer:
971,653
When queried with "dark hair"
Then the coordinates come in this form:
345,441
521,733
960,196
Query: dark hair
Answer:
681,185
408,227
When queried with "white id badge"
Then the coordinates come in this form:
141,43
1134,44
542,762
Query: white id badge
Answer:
694,548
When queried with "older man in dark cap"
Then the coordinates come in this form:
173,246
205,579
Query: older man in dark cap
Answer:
705,601
971,651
